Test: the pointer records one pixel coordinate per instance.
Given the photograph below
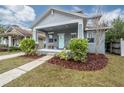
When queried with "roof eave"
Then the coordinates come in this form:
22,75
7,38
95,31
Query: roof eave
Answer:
41,17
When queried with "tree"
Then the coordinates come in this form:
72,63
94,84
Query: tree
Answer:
2,28
98,26
117,30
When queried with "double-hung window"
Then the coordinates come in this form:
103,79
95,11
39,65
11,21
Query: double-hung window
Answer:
73,35
90,36
50,36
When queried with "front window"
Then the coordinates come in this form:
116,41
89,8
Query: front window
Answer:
50,36
73,35
90,37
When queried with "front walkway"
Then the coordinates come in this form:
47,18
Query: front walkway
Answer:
11,55
17,72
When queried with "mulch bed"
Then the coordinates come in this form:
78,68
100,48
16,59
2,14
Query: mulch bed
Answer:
93,63
3,49
32,56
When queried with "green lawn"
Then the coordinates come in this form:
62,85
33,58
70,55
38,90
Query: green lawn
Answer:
7,52
52,75
8,64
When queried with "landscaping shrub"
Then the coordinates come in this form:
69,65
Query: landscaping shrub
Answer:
28,46
79,49
63,55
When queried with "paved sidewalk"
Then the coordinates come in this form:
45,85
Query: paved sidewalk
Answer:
17,72
11,55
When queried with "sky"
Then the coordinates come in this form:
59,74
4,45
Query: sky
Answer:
25,15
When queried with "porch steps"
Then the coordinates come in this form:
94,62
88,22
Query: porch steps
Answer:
48,51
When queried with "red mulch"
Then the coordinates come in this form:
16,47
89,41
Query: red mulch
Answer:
3,49
93,63
32,56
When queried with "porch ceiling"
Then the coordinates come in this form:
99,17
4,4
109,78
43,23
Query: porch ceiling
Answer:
60,27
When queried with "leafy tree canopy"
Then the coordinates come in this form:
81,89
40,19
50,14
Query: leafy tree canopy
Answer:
117,30
2,28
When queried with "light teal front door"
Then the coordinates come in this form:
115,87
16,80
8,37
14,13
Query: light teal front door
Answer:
61,40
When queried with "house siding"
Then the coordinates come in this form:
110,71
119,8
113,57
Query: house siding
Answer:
56,17
101,46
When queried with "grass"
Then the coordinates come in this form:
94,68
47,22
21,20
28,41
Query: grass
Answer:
7,52
8,64
52,75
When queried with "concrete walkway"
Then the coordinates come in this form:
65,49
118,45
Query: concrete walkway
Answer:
11,55
17,72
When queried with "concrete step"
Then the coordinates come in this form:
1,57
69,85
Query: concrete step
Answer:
48,51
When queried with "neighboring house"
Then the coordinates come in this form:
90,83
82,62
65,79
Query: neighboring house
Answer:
60,26
15,34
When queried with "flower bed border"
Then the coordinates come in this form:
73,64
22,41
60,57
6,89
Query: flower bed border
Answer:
94,62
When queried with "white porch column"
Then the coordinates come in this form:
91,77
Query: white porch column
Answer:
9,41
37,38
34,35
46,41
80,30
2,40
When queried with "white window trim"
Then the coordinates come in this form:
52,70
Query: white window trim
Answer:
73,33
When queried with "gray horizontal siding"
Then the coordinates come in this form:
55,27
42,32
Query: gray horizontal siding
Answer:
101,46
56,18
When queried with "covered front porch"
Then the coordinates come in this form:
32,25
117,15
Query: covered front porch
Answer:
58,36
10,40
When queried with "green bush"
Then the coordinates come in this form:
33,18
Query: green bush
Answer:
28,46
79,49
63,55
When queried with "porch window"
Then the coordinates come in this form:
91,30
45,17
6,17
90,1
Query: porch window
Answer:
50,38
90,37
73,35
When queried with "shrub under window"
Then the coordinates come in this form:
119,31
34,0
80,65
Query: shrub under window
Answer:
79,49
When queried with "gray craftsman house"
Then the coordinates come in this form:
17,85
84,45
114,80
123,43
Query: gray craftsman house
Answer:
60,26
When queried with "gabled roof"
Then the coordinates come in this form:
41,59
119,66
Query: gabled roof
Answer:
81,15
18,31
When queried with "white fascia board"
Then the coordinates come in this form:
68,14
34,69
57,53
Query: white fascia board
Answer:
58,24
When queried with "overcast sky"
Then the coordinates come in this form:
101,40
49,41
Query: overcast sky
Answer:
25,15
